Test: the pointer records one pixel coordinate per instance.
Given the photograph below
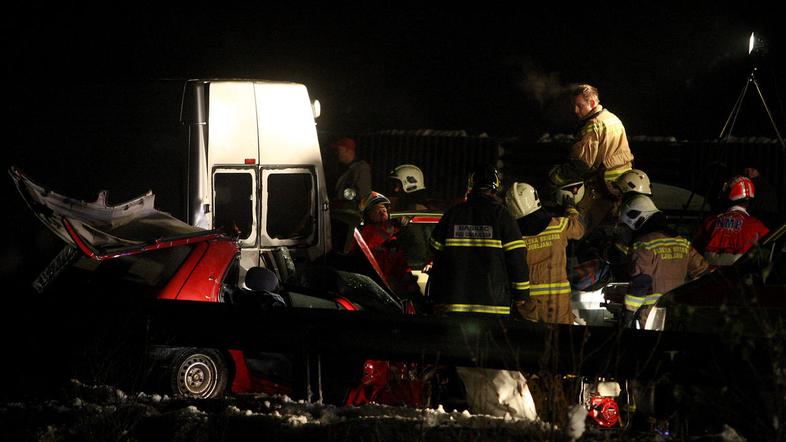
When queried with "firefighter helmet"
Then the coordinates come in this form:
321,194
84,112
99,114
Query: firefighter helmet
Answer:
372,200
484,178
636,211
740,188
410,176
634,180
574,191
564,174
522,199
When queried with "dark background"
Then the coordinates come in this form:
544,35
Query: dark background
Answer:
92,93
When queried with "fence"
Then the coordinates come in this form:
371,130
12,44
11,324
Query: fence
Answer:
446,158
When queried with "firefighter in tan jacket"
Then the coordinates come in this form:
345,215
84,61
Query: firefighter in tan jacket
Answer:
546,238
660,259
600,155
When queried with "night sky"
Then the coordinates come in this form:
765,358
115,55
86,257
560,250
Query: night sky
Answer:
665,69
92,93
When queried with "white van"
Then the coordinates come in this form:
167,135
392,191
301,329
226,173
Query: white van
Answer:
255,169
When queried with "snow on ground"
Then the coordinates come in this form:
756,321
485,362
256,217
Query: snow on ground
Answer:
81,412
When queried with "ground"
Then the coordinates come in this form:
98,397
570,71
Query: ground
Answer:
81,412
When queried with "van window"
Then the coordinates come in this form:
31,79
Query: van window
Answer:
290,198
233,204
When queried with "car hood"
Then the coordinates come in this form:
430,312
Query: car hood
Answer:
103,231
672,198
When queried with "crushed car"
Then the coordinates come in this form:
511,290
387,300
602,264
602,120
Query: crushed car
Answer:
161,257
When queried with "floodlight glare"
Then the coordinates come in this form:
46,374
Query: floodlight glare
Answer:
756,44
757,48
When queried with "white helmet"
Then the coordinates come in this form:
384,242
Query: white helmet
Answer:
410,176
522,199
636,211
634,180
574,191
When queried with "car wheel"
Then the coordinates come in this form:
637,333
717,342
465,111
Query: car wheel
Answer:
198,373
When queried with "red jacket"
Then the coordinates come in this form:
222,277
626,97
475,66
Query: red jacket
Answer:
381,240
725,237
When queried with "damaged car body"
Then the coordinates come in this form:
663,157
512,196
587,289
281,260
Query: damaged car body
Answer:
161,257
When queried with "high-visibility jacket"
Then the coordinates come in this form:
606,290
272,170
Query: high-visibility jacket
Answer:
549,288
667,260
479,259
727,236
603,145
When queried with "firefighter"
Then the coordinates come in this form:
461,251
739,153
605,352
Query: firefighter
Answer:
546,238
660,258
480,269
631,183
723,238
409,187
379,234
600,155
479,257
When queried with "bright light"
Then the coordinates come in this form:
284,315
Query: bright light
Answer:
757,44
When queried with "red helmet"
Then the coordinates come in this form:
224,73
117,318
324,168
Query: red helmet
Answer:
740,188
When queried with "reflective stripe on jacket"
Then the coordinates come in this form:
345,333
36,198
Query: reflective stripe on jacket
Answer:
667,260
472,308
611,175
546,257
633,302
479,259
602,143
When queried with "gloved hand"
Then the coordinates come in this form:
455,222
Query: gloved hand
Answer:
565,198
400,222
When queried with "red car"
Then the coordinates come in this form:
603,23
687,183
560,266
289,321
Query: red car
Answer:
166,258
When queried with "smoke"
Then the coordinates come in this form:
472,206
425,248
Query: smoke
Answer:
543,87
551,96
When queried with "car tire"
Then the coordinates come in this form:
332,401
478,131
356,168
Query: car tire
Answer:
198,373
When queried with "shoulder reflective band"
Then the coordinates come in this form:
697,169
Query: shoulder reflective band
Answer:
662,242
436,244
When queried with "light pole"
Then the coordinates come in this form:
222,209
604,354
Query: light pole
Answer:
756,46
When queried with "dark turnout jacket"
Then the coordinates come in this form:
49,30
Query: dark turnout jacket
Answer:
479,259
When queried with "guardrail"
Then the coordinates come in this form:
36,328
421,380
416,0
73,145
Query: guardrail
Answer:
610,352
